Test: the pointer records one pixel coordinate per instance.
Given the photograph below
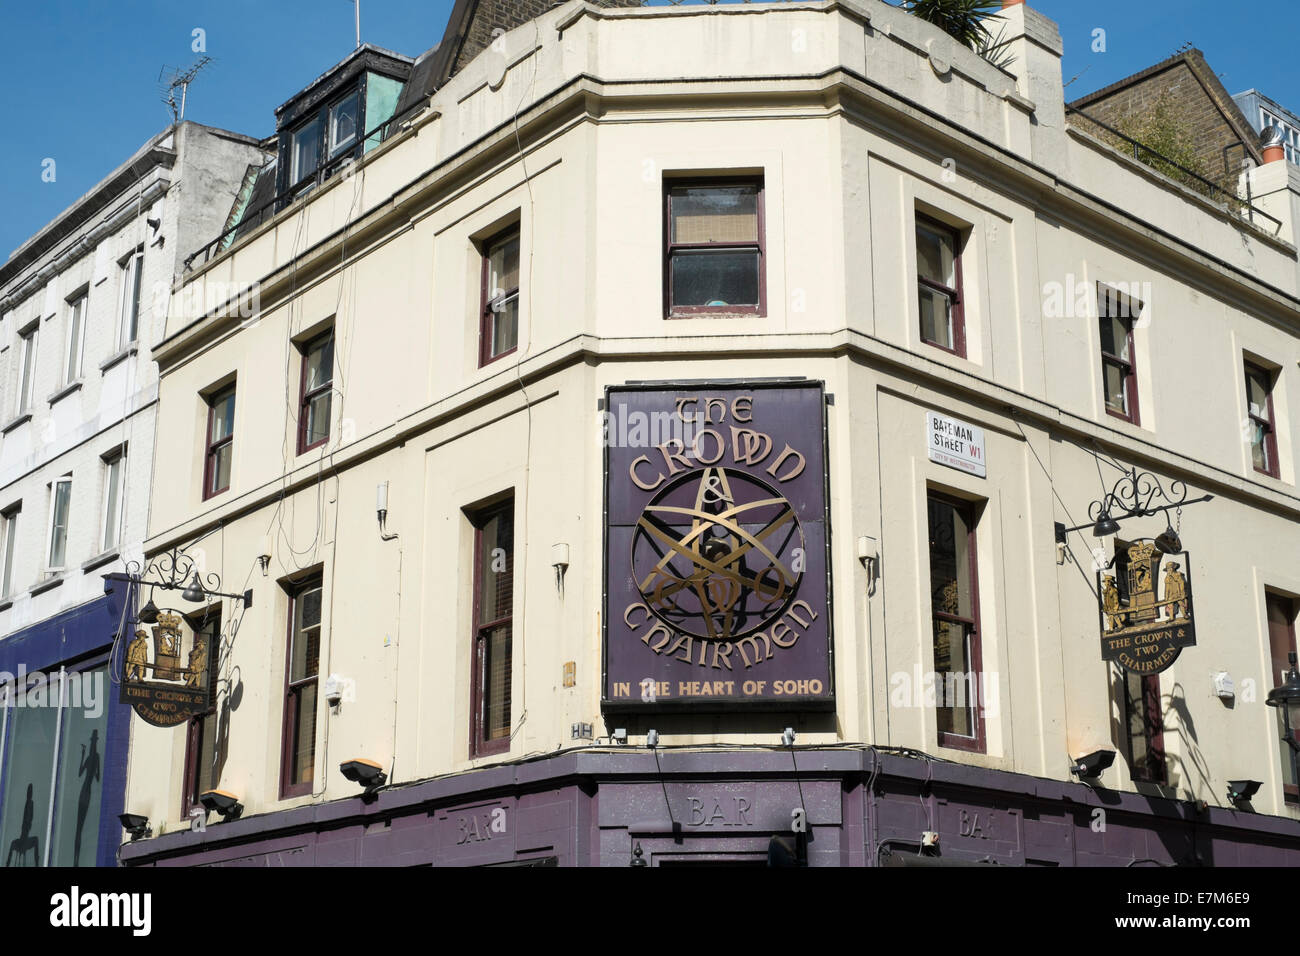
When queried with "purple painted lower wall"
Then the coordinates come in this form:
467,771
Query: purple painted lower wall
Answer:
862,807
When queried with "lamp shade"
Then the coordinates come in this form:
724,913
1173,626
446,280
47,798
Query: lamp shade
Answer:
1105,525
194,593
1168,542
1287,694
149,613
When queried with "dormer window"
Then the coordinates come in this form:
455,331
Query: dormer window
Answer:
327,125
341,116
344,117
320,144
305,151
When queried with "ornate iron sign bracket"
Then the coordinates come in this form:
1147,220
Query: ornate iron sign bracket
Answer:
171,569
1138,494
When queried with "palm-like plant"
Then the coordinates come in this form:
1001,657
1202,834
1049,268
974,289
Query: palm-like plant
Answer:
963,20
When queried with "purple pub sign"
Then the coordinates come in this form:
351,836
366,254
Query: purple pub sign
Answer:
717,592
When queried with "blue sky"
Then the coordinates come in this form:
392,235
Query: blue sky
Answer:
78,80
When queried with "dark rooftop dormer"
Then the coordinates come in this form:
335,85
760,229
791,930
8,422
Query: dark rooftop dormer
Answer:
337,117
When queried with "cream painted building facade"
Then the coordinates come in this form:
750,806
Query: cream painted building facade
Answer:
863,131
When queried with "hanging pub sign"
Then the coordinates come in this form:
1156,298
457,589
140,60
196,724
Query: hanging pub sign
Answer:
1145,605
164,670
165,677
717,592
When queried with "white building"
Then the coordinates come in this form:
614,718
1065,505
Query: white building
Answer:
81,304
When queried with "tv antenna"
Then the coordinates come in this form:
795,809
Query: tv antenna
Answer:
171,78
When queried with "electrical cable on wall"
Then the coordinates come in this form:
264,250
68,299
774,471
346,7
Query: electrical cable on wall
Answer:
528,407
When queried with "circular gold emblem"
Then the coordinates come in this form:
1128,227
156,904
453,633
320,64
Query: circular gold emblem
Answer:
718,554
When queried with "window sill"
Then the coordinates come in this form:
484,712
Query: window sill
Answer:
99,560
947,351
21,419
49,584
1121,417
65,391
131,349
485,362
712,314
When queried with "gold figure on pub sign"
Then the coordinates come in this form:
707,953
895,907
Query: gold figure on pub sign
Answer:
1175,592
1110,604
167,644
198,662
137,655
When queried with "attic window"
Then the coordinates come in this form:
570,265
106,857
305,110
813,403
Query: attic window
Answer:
343,123
305,150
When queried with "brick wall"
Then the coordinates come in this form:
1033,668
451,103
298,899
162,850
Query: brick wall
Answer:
1193,105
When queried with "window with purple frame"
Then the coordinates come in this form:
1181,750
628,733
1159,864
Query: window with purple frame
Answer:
714,245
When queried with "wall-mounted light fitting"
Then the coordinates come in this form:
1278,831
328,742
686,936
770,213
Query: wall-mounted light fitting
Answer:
264,559
369,774
652,738
868,554
381,509
221,802
787,737
560,561
1240,791
619,736
1091,766
136,824
1287,697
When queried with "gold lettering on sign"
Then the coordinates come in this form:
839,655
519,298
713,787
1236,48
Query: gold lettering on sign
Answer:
749,447
672,458
752,642
659,479
779,630
807,607
795,472
719,448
